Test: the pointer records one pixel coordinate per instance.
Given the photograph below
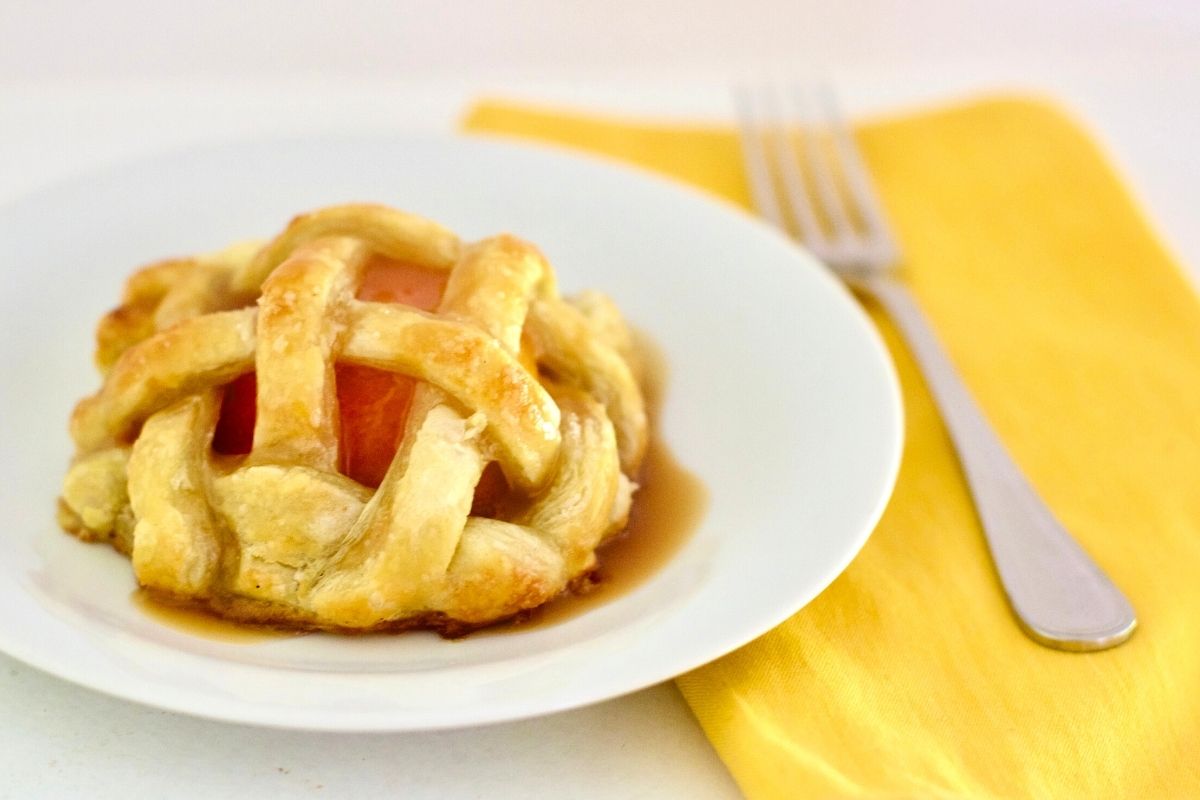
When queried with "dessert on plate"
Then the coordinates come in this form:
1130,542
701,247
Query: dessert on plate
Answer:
362,424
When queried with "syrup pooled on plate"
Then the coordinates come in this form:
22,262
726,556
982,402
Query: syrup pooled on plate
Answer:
199,622
667,508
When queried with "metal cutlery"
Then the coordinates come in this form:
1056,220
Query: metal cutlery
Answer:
809,179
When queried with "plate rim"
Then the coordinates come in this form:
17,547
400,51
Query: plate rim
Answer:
173,701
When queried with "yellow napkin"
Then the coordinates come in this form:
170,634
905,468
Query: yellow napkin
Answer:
1081,339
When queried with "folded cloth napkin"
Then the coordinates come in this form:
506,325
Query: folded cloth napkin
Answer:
1080,338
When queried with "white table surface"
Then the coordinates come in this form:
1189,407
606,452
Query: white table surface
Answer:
139,77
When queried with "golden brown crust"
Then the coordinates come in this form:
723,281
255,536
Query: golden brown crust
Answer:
133,320
279,537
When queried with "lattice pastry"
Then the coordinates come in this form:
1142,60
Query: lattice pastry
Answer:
520,427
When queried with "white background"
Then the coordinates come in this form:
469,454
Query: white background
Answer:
86,84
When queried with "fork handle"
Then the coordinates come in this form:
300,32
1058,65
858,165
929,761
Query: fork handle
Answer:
1058,594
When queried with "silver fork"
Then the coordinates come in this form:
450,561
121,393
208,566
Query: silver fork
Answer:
809,179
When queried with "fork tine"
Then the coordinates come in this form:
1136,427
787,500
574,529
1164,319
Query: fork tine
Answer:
807,172
870,210
824,181
799,202
758,167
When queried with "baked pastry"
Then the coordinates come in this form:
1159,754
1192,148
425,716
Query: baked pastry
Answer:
362,424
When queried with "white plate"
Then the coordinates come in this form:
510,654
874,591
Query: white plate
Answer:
781,398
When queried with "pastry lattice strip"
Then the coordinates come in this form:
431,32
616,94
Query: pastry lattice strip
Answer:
284,534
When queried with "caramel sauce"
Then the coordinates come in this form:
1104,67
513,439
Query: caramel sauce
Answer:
667,508
202,623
